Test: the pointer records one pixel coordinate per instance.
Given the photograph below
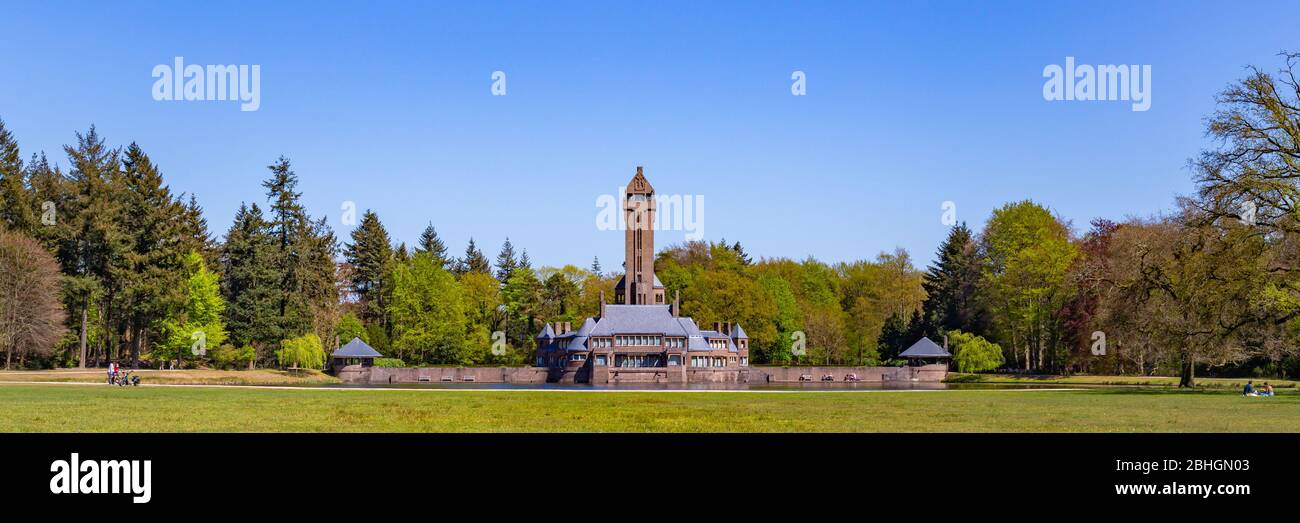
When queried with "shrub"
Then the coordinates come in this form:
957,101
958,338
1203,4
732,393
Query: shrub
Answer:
229,357
389,362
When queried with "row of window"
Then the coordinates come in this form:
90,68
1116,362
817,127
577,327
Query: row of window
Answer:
708,361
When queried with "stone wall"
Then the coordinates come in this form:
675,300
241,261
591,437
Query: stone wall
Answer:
925,373
386,375
357,374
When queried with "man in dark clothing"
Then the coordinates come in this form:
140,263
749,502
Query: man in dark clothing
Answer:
1249,390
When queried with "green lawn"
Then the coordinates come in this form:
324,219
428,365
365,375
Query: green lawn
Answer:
1156,381
70,408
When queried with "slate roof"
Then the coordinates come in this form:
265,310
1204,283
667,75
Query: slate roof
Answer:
739,333
639,319
356,349
924,348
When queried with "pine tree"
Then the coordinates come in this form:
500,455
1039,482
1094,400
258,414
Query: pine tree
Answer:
93,243
162,233
506,262
400,254
250,281
474,261
595,266
16,211
524,261
432,244
741,255
305,258
951,285
370,255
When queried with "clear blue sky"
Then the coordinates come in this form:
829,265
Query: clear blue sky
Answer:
389,106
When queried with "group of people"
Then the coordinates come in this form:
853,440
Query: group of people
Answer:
1252,390
116,376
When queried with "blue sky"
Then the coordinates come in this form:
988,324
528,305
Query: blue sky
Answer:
389,106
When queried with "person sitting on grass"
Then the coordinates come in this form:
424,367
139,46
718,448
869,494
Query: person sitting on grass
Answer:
1268,390
1249,390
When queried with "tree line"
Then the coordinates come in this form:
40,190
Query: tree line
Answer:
102,261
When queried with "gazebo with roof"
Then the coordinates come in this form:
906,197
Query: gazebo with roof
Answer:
356,352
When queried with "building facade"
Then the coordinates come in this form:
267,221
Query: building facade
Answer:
640,338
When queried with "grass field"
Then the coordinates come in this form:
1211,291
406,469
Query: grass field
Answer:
76,408
1161,381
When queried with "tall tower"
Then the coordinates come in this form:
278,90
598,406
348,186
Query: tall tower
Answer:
639,285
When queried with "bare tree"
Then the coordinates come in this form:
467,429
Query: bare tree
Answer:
31,313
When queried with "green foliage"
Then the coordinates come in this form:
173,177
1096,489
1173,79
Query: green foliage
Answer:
974,353
229,357
389,362
427,313
199,324
305,352
1027,256
350,327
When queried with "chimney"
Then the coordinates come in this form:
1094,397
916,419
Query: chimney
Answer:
717,326
728,331
602,303
945,342
568,326
677,303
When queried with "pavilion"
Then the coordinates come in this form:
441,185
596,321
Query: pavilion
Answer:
924,350
356,352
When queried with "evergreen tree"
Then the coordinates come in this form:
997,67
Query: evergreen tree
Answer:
16,211
506,262
305,258
93,243
432,244
524,261
400,254
474,261
250,281
951,285
370,254
161,234
595,266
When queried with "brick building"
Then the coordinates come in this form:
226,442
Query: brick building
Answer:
640,337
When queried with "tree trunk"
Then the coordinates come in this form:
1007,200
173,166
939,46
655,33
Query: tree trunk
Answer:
137,342
1188,378
84,312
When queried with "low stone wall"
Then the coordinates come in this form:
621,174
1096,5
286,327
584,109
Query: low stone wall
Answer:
386,375
925,373
357,374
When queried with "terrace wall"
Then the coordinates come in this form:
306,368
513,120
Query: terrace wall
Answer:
924,373
357,374
386,375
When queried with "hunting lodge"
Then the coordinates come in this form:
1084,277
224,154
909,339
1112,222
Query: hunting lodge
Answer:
640,337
